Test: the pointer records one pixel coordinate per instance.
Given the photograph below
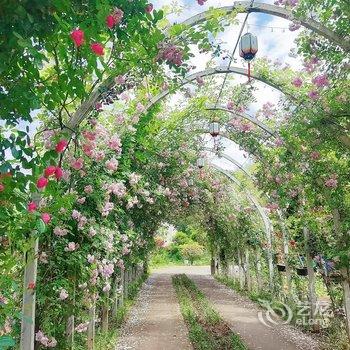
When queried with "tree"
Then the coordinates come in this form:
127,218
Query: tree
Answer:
192,251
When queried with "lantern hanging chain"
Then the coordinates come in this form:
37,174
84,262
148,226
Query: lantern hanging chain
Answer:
233,53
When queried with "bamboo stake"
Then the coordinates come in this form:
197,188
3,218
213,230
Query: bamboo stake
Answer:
70,331
91,327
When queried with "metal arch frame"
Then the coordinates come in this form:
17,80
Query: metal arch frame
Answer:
246,7
241,6
209,72
264,217
244,116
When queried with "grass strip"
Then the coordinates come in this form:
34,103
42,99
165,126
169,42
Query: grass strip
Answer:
207,330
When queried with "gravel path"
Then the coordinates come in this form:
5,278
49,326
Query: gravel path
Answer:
241,314
155,321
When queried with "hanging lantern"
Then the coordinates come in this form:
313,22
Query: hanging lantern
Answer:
248,47
214,129
200,163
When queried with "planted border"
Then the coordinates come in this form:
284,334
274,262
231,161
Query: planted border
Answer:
207,330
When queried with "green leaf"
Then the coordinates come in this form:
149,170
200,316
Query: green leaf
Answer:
6,341
40,226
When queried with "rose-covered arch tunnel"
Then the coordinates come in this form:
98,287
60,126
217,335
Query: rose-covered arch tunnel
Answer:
112,163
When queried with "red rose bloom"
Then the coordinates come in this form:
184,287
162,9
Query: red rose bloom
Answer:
42,182
58,173
49,171
77,36
31,207
97,48
61,146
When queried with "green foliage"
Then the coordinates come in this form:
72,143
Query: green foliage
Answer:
192,251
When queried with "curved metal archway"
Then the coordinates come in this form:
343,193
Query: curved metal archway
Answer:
262,214
273,10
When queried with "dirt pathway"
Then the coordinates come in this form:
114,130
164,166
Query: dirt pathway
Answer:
241,314
155,321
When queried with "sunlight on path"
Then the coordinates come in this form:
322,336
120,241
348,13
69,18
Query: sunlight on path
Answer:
155,322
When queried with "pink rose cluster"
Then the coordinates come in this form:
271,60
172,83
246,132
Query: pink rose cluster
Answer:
44,340
170,53
114,18
332,182
82,327
81,219
241,125
291,3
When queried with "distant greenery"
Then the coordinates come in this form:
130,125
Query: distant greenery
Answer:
207,330
183,248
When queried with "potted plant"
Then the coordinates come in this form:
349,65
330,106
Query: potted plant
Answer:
281,267
302,271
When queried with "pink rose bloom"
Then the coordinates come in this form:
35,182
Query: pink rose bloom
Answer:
76,215
134,178
140,107
31,207
99,155
61,146
115,143
71,247
279,142
81,200
77,164
230,105
89,135
297,82
88,189
315,155
332,182
90,259
106,288
120,119
45,217
112,164
49,171
63,294
58,173
120,79
43,258
58,231
97,48
149,8
77,35
313,95
42,182
92,232
321,80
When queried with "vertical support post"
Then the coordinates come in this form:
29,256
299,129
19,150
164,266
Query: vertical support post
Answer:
247,270
345,275
258,271
241,271
311,274
286,255
70,331
29,297
104,317
212,266
91,327
121,285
